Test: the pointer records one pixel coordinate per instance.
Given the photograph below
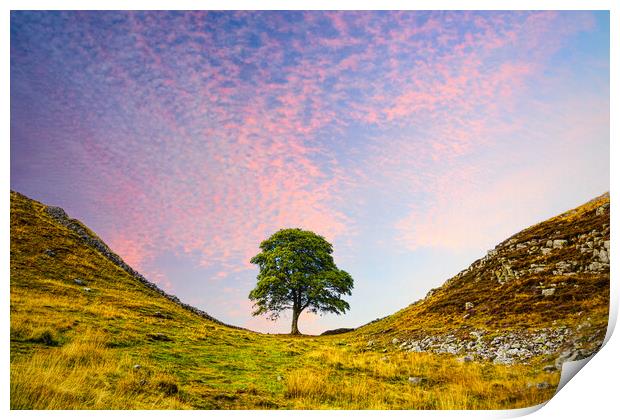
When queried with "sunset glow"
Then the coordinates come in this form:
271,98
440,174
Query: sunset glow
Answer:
413,141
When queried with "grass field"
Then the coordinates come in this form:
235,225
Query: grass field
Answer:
119,345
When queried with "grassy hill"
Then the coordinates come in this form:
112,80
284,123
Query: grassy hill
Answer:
88,332
541,292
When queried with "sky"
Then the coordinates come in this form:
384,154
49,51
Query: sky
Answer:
413,141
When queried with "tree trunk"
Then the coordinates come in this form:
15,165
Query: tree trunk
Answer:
294,329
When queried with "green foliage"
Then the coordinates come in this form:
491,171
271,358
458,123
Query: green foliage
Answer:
297,272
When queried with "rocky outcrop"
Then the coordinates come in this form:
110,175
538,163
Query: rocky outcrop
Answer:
60,216
509,305
514,346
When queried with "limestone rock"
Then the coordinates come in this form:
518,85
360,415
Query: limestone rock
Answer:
559,243
416,380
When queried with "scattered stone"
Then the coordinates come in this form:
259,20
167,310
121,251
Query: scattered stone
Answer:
545,251
595,266
505,274
87,289
395,341
56,212
466,359
370,343
559,243
548,292
502,359
79,282
136,367
279,378
416,380
543,385
468,306
50,253
550,368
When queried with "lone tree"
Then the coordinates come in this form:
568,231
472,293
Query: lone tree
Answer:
297,272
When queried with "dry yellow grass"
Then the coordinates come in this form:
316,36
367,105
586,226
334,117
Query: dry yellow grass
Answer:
352,380
80,374
72,349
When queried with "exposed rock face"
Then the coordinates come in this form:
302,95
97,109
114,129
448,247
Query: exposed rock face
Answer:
60,216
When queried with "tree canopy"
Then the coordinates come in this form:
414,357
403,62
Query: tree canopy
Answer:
297,272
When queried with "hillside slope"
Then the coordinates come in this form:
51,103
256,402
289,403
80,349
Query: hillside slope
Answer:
88,332
542,292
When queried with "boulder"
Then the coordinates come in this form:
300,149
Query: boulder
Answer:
548,292
502,359
559,243
468,306
595,266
